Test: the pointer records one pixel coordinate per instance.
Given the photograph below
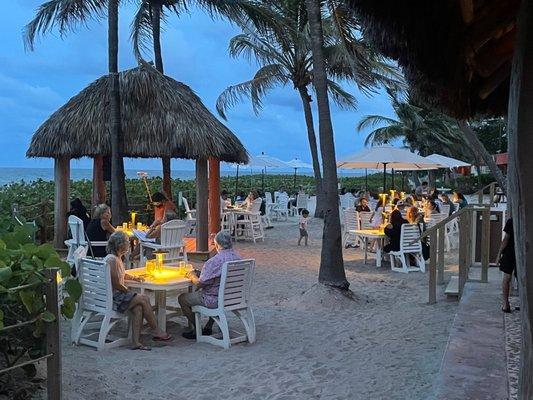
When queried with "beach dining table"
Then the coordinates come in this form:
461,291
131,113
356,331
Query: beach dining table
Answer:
233,214
168,280
371,234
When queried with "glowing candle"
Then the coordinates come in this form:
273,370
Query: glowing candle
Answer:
133,215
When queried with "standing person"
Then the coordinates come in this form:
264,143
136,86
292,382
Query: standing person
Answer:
303,227
208,283
507,261
363,205
422,190
161,205
459,198
125,299
78,210
100,228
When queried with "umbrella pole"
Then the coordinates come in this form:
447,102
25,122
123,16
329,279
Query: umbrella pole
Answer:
366,179
384,177
393,179
294,184
403,182
263,180
237,183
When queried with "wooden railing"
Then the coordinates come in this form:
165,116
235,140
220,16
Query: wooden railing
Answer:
436,234
481,193
52,332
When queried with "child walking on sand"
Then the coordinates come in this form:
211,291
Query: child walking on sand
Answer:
303,226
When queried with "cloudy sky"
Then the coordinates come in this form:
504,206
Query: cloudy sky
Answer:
34,84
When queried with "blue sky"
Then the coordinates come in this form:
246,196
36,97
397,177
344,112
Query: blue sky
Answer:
34,84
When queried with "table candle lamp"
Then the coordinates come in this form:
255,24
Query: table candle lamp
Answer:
133,216
159,260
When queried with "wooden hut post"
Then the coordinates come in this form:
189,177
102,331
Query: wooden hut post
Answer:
62,183
99,189
202,229
167,178
520,174
214,195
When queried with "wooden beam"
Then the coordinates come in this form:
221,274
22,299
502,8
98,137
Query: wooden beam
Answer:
61,194
495,80
167,178
520,175
53,336
485,245
202,229
467,11
433,267
440,255
99,189
214,196
495,54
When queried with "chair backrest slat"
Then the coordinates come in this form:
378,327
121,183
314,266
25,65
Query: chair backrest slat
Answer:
235,284
95,279
409,233
256,205
301,201
77,231
365,216
351,219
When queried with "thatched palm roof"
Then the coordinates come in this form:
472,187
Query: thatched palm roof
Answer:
456,54
160,118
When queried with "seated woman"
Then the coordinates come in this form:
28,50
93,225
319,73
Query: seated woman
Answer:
253,198
430,209
363,205
413,215
154,232
208,282
459,198
100,228
445,200
126,300
78,210
161,205
394,231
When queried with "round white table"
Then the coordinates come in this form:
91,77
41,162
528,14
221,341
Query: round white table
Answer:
370,234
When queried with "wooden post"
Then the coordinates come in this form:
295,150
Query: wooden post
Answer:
480,196
485,244
433,267
202,229
62,182
167,177
463,233
492,193
520,134
53,332
214,195
99,190
440,255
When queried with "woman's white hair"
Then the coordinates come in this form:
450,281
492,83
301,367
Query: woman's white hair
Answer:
223,239
116,240
99,210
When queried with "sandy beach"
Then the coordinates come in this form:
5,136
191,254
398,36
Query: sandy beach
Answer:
311,343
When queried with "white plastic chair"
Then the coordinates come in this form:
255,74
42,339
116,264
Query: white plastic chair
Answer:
190,218
251,225
95,309
410,233
364,217
301,203
172,233
281,207
77,232
445,209
233,296
351,223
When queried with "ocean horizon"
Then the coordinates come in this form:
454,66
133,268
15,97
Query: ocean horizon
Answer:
17,174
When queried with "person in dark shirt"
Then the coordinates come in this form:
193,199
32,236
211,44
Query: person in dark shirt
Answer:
394,231
507,262
78,210
363,205
100,228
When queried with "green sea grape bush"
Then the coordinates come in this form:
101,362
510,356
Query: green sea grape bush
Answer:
22,263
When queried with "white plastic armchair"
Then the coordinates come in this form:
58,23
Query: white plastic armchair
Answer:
351,224
410,233
94,315
190,217
77,232
233,296
172,233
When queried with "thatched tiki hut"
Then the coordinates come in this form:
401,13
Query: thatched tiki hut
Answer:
468,58
160,118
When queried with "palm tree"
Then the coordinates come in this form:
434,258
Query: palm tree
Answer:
331,261
66,15
146,29
283,51
428,132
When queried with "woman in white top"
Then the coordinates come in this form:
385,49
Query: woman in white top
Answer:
126,300
377,217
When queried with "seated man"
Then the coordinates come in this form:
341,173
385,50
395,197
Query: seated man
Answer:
208,283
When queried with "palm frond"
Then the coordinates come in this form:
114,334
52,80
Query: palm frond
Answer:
65,15
384,135
371,121
141,30
341,97
265,79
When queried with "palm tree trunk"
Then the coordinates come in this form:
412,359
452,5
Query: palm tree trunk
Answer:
480,150
156,34
331,262
306,101
119,203
520,178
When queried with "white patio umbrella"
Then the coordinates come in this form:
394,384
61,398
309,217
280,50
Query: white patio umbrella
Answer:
447,162
381,157
264,161
296,163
